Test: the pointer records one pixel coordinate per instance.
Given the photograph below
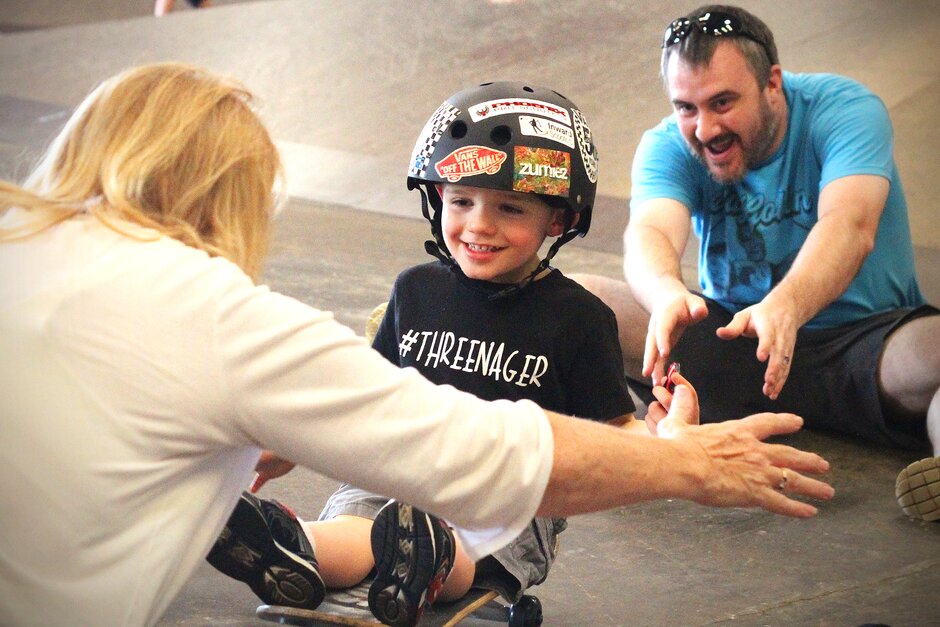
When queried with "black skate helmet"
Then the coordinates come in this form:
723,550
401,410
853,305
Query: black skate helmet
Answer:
513,137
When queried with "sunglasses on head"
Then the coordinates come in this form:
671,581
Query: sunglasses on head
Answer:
713,23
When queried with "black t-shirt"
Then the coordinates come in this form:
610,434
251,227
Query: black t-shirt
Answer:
553,342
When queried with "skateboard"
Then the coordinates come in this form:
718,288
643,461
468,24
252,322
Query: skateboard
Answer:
351,607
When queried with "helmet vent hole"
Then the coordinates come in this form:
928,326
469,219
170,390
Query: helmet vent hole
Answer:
501,135
528,89
458,129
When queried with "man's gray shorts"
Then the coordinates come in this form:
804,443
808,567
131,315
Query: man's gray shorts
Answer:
833,382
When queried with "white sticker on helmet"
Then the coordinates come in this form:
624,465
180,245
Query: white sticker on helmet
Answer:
546,129
492,108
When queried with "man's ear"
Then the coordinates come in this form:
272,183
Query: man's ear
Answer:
557,226
775,81
440,190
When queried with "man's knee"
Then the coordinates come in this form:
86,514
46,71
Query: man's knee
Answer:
909,373
632,319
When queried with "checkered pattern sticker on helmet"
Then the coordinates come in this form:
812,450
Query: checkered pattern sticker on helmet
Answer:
585,145
430,135
542,171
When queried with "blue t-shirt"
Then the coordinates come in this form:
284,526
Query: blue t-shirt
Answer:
751,231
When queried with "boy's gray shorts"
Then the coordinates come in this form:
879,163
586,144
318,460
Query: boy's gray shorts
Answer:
522,563
352,501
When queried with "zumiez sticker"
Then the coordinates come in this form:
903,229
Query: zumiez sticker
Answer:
540,127
492,108
470,161
542,171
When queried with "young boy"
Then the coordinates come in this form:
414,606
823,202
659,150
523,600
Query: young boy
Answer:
501,167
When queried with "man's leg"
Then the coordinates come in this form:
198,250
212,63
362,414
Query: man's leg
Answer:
713,366
632,319
909,381
909,378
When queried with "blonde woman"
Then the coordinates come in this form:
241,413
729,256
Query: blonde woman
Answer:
143,370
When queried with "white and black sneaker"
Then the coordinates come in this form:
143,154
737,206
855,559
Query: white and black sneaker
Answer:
414,554
264,545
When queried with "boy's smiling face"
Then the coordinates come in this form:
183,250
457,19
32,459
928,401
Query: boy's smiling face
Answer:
495,235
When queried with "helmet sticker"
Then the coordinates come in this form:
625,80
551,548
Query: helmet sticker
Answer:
502,106
430,135
470,161
540,127
542,171
585,145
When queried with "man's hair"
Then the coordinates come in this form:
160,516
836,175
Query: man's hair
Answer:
698,47
169,147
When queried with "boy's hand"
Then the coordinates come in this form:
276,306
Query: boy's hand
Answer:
663,423
269,466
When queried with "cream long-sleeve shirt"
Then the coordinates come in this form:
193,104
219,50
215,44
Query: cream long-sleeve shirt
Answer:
139,382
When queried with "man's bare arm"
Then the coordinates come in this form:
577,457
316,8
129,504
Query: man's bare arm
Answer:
850,209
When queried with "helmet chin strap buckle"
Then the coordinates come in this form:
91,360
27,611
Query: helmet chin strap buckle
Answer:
441,254
433,248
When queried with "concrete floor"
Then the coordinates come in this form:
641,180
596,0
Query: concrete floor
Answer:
347,86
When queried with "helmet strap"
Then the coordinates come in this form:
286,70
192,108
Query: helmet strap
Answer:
566,237
436,247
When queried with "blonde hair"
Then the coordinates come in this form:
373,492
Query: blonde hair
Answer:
166,146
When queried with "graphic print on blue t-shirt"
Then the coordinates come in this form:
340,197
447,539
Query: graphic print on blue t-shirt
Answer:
737,249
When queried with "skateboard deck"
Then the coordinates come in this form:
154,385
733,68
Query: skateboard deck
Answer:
351,607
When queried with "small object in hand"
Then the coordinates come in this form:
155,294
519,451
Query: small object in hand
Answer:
670,383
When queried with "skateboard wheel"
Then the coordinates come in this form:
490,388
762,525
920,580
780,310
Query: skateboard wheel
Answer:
526,612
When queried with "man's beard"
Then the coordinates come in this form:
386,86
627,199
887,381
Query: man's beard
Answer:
752,155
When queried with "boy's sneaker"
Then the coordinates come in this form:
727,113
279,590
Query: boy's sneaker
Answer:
918,489
264,545
414,553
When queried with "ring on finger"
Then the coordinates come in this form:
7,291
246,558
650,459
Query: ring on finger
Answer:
784,480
